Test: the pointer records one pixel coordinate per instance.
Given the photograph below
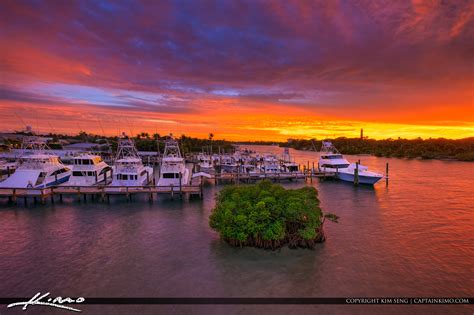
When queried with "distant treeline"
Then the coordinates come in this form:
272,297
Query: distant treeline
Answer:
143,142
462,149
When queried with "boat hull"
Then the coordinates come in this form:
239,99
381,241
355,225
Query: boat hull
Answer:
363,179
57,182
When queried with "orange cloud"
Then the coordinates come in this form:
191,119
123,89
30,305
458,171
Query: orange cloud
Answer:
257,70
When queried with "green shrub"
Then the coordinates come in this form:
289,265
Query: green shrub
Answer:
267,215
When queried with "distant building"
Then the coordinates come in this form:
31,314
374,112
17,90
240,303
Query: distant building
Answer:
361,133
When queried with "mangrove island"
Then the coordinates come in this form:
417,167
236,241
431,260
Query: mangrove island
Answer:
267,215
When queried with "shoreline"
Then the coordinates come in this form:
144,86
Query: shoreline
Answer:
453,159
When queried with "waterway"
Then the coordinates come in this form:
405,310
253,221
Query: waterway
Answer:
412,237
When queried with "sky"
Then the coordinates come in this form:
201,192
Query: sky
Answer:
243,70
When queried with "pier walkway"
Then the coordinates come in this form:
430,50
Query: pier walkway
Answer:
103,193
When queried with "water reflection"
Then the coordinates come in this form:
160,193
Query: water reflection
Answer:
412,237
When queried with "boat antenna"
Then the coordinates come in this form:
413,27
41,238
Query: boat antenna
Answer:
101,127
20,119
53,131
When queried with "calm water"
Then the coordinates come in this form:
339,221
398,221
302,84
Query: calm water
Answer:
414,237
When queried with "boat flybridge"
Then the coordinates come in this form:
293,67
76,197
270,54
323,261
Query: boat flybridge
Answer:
37,168
89,170
332,161
287,164
128,167
173,171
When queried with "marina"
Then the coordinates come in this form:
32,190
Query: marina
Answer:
38,172
396,230
237,157
103,193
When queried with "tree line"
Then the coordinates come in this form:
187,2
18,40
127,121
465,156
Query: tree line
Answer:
143,142
459,149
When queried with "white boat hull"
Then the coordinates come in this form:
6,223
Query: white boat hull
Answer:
363,179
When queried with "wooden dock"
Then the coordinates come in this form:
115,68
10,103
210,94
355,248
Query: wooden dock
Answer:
275,177
103,193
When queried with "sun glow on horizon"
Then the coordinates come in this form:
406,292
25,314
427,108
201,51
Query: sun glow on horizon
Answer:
299,70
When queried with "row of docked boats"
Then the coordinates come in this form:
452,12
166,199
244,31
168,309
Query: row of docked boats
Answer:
246,162
37,168
330,161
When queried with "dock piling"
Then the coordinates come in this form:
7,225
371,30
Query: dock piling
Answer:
150,195
356,175
180,187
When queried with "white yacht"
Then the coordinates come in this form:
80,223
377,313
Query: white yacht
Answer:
205,163
365,176
249,169
228,163
332,161
89,170
37,168
173,171
128,167
287,164
269,164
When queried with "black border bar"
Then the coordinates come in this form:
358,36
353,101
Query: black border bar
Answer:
263,301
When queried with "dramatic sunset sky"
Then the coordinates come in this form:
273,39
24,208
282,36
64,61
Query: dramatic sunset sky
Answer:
244,70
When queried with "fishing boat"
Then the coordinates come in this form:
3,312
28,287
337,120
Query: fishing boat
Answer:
228,164
205,163
332,161
269,164
249,168
173,171
128,166
37,168
89,170
287,164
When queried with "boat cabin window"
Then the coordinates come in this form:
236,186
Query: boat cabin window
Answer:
126,177
79,173
332,157
104,170
170,175
60,171
40,179
335,166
